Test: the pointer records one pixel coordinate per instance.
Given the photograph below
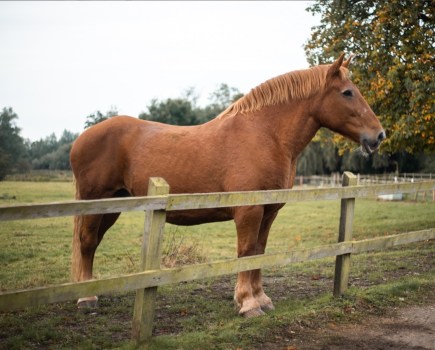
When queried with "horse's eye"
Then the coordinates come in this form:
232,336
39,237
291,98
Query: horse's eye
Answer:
347,93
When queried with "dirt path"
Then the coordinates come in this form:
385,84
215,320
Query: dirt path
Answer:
411,328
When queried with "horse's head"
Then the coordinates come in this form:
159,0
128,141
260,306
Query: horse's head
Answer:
343,109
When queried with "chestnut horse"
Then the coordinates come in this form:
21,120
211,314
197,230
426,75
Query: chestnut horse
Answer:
252,145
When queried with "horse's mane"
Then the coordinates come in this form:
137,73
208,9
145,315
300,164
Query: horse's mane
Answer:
295,85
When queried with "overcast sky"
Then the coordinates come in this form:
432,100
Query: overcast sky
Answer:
61,61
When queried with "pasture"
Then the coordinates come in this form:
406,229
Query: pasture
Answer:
199,314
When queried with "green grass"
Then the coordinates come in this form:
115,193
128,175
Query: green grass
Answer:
42,176
15,193
197,314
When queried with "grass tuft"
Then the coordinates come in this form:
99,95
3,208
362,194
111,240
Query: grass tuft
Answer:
177,251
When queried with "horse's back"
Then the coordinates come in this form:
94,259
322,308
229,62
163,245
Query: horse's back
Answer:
219,156
123,152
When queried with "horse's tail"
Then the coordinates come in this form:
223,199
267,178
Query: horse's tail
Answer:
76,257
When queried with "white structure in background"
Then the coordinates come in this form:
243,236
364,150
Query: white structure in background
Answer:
393,197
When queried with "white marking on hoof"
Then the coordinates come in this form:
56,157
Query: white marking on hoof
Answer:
87,303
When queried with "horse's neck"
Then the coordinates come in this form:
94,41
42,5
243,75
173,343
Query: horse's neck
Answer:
291,126
298,128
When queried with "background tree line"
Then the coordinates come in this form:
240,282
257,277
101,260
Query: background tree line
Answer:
394,69
321,156
18,155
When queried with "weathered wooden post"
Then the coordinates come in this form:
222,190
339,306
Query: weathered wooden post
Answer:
342,262
144,306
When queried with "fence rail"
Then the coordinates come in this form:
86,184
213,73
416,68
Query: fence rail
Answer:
334,179
15,300
157,203
203,201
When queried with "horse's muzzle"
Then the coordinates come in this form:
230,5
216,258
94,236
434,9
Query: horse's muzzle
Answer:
371,146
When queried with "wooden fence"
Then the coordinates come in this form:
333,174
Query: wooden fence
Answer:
334,179
158,202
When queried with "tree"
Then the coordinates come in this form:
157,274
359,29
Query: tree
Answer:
12,147
60,157
177,111
310,161
50,153
98,117
43,146
184,110
219,100
395,44
223,96
67,137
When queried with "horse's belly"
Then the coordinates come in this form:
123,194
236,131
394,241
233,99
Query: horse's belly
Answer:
198,216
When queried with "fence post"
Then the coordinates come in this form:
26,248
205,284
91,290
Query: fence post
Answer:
144,305
342,262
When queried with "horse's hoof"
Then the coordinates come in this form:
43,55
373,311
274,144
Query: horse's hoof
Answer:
253,313
267,307
87,303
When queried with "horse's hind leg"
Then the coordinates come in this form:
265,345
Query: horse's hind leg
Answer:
88,233
85,242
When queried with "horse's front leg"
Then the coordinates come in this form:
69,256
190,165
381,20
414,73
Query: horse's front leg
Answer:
248,222
256,280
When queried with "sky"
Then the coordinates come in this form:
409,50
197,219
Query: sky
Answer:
62,61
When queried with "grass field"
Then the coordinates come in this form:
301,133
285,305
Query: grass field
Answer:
199,314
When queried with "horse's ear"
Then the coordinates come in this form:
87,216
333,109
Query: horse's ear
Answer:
334,70
347,63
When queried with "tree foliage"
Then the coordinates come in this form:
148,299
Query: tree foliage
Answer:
223,96
184,111
219,100
12,148
395,46
322,157
51,153
98,117
171,111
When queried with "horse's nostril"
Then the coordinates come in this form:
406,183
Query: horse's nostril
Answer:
382,136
